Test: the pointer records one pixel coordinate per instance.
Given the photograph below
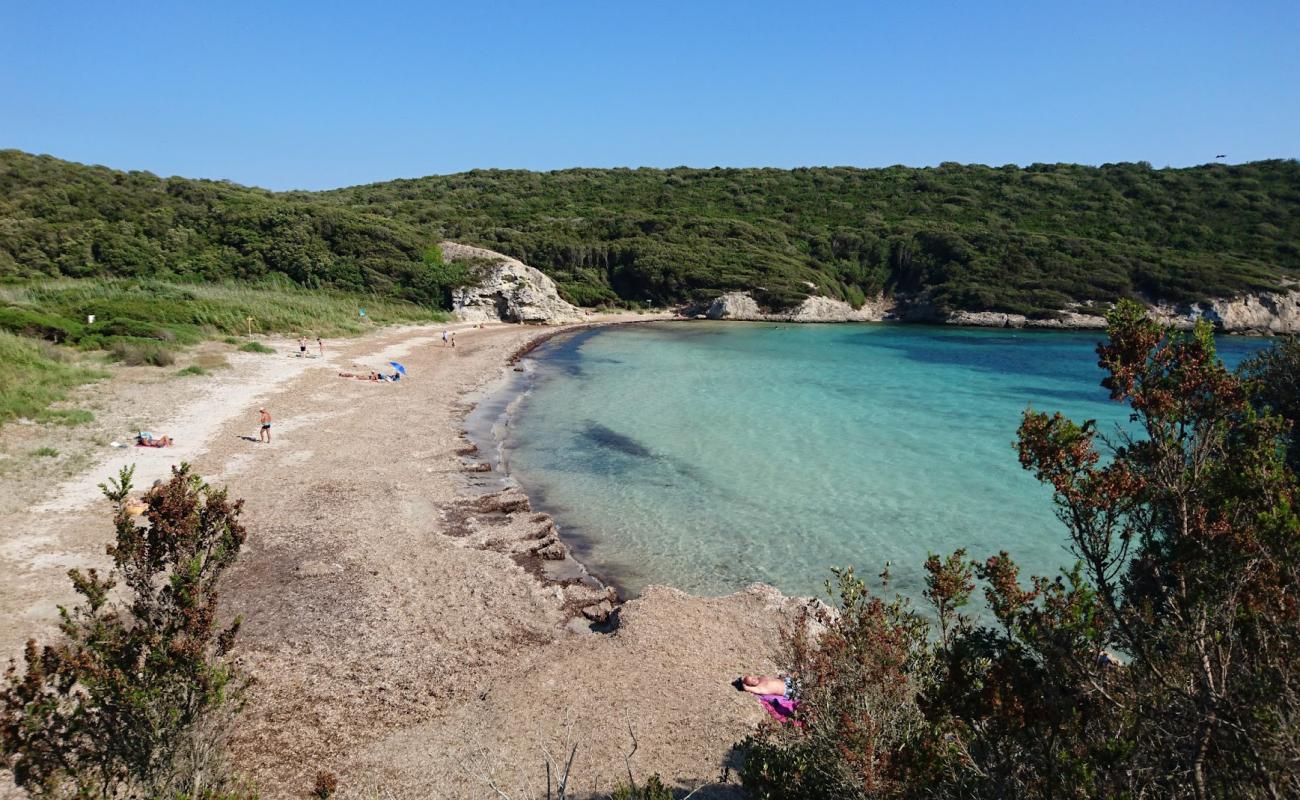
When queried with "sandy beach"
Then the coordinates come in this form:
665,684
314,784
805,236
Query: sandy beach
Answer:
409,628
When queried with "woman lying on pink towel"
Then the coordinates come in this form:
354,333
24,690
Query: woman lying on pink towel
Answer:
775,693
147,440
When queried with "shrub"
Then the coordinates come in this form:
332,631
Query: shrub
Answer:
131,329
856,685
256,347
135,699
653,789
39,325
326,784
193,369
45,452
1275,376
134,355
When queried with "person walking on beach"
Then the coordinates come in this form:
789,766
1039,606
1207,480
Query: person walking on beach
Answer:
321,346
444,337
302,347
453,338
265,417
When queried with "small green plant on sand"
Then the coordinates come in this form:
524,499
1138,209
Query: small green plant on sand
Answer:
327,783
652,789
256,347
45,452
137,697
193,369
70,417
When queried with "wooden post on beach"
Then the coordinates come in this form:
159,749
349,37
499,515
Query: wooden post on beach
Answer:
249,321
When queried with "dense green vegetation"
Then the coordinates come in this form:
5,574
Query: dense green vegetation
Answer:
1028,240
64,219
978,237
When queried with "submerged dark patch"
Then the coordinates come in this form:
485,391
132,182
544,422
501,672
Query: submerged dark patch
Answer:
610,439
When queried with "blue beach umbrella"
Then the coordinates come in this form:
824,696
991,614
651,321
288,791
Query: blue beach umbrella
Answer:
397,367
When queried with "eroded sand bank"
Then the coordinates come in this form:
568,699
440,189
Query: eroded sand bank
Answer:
398,624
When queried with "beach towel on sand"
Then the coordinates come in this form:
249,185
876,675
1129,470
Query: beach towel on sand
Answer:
780,707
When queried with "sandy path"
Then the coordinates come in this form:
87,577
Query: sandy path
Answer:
395,619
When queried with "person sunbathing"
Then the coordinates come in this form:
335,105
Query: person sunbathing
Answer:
135,506
148,440
776,694
766,685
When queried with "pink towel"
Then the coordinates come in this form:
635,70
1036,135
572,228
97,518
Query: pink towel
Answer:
780,707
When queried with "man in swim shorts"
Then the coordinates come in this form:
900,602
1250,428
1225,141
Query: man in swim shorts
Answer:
265,417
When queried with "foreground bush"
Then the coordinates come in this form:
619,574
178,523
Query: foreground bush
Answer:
857,691
136,697
1189,567
1275,375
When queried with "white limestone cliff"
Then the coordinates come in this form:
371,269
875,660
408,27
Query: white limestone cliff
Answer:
506,289
1264,313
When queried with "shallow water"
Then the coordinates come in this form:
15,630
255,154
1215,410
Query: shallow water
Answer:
708,456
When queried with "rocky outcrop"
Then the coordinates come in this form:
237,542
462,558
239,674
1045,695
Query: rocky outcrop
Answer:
997,319
735,305
506,290
1264,313
826,309
740,306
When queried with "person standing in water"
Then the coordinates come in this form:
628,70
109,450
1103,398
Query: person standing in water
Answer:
265,417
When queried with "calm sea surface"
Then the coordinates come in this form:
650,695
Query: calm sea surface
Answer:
707,456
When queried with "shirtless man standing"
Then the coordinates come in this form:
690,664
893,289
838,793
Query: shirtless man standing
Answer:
265,417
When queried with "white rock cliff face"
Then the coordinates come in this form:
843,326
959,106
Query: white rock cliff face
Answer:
740,306
1264,313
509,290
506,289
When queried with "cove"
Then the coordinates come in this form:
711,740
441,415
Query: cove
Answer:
707,456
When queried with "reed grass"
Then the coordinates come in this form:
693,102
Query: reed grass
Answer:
144,321
31,380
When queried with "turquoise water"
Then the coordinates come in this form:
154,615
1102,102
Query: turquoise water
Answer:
708,456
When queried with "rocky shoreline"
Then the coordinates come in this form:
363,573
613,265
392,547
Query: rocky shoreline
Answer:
508,290
1262,314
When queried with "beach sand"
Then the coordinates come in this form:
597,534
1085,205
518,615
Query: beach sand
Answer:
398,618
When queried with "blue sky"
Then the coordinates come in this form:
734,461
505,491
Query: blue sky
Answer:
320,94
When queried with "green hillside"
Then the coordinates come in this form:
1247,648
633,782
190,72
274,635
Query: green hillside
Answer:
1028,240
63,219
